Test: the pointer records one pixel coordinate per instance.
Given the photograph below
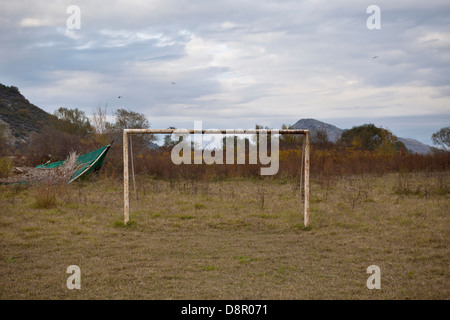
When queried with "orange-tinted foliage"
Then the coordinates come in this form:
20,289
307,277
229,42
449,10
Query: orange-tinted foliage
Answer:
331,161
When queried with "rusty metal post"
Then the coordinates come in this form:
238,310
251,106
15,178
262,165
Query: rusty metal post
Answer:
126,200
306,178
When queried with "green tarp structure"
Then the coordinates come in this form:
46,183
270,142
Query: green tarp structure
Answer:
89,162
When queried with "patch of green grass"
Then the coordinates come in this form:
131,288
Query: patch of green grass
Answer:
244,259
199,206
72,206
301,226
29,229
442,191
55,211
121,224
11,260
283,272
209,268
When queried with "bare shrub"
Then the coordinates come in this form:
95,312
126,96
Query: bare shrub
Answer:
5,167
45,197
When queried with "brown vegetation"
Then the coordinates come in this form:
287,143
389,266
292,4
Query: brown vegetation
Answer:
334,161
229,239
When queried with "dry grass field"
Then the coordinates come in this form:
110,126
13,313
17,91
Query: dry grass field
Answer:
230,239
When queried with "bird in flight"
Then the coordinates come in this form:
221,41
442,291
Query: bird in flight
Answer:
375,57
173,82
119,97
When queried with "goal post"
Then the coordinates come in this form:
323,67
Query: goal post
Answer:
305,159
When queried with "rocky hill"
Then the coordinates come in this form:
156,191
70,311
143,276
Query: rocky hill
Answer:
20,117
415,146
334,134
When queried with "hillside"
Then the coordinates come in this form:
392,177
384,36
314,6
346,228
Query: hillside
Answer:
334,133
415,146
21,117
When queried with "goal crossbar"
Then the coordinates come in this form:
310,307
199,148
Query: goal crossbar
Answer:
304,162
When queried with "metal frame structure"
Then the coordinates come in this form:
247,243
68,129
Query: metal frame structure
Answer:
304,161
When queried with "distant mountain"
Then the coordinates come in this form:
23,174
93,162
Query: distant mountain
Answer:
415,146
334,133
20,116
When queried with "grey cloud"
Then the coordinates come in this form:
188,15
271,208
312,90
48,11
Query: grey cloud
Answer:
137,48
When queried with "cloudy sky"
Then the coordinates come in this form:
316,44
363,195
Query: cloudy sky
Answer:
235,63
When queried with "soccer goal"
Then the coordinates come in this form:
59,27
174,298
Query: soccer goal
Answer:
304,164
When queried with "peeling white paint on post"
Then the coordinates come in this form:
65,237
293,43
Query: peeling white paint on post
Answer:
126,205
302,170
306,222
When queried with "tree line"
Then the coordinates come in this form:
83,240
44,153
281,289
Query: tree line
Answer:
75,131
